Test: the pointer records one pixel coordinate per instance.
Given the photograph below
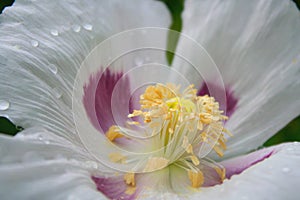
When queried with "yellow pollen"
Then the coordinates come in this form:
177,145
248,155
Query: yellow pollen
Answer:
221,172
113,133
133,123
205,118
218,150
179,123
135,113
129,179
186,145
117,158
130,190
195,160
156,163
196,178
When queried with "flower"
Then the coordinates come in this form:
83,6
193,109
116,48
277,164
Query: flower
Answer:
44,43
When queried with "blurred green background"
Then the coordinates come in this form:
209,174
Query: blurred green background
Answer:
289,133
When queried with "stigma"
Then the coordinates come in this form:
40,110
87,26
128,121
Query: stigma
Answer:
185,125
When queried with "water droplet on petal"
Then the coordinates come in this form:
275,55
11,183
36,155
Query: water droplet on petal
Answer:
40,137
286,170
4,105
76,28
138,61
17,47
34,43
53,68
296,143
88,27
57,92
54,32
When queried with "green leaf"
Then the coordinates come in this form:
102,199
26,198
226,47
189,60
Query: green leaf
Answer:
289,133
176,8
7,127
5,3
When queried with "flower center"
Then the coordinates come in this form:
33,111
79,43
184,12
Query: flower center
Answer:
186,126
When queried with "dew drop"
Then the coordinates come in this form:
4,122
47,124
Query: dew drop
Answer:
88,27
286,170
53,68
40,137
296,143
17,46
54,32
76,28
138,61
34,43
57,92
4,105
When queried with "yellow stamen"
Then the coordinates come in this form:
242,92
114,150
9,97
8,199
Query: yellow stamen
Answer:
113,133
133,123
173,119
195,160
130,190
196,178
129,179
205,118
218,150
221,172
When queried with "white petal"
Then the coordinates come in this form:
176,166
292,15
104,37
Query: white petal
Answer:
42,46
276,177
33,145
254,44
45,169
46,180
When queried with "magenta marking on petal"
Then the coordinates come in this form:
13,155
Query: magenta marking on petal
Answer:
113,187
235,166
231,100
98,100
238,165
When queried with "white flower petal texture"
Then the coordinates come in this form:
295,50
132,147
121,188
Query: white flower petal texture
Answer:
71,68
253,44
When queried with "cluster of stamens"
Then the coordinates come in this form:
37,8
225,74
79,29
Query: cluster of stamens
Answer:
187,126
